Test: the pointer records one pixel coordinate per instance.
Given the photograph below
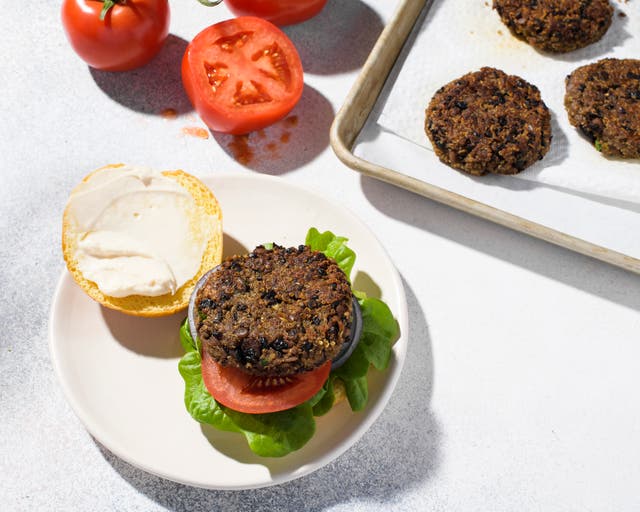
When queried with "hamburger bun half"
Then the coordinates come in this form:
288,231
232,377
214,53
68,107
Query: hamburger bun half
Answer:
141,305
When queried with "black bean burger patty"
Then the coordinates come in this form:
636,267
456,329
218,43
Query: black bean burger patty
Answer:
556,25
275,311
603,101
488,121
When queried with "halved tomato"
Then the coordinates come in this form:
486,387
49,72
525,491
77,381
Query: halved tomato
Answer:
242,392
242,75
280,12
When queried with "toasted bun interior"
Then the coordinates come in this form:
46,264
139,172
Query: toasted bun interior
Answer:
139,305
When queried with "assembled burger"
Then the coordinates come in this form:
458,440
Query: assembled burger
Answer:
276,337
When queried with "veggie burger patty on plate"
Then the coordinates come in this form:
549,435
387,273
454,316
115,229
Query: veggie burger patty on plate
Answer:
275,311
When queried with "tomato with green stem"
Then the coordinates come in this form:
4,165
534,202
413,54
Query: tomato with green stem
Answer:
114,35
242,75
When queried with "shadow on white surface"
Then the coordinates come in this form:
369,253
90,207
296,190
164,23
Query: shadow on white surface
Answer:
153,88
399,452
338,39
288,144
154,337
365,283
232,247
558,153
581,272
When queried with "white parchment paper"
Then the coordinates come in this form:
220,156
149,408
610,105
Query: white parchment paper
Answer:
458,36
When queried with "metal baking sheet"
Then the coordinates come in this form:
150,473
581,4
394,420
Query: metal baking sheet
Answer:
587,225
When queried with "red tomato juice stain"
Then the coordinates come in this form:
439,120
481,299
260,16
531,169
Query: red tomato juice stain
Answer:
196,131
291,121
169,113
239,146
244,147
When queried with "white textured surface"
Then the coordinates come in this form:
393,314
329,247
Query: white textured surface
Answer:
520,388
460,36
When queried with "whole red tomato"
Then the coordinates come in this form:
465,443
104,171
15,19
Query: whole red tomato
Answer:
129,36
242,74
280,12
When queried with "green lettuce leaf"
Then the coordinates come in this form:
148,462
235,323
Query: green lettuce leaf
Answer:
319,395
186,340
197,399
268,435
323,405
333,247
354,375
278,433
379,331
357,392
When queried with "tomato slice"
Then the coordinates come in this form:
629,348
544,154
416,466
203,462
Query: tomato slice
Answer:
242,392
242,75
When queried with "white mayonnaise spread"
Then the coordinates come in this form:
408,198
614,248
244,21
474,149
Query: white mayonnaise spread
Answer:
138,231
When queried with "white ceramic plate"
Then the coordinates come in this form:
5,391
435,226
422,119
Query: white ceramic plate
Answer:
120,373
